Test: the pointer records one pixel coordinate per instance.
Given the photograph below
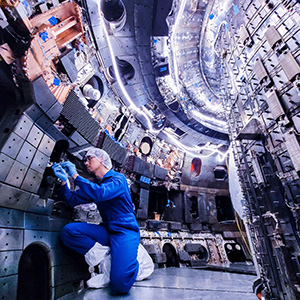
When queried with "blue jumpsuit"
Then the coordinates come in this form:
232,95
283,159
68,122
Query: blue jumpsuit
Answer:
119,229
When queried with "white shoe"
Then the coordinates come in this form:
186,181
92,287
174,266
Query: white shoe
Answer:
98,281
96,254
146,265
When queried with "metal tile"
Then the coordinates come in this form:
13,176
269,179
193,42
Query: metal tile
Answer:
34,137
62,257
54,238
12,145
9,262
26,154
180,283
46,146
44,122
67,273
32,236
11,218
11,239
57,224
32,181
289,65
39,205
54,111
34,112
55,133
43,96
36,222
39,162
5,165
78,139
11,197
16,174
23,127
61,290
8,287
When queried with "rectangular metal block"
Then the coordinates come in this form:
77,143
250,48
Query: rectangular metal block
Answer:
44,122
34,137
272,36
16,174
55,133
36,222
285,163
289,65
26,154
61,290
260,70
293,148
157,225
257,170
23,127
78,139
54,239
9,262
67,273
274,104
142,211
8,287
43,96
56,223
11,218
184,256
68,62
33,112
296,121
60,256
32,181
39,162
11,239
54,111
159,258
11,197
31,236
174,226
244,35
150,248
12,145
159,172
5,165
39,205
46,146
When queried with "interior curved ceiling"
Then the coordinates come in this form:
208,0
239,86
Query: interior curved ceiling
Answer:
194,62
188,109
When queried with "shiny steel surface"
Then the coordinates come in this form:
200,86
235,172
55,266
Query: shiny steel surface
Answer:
174,283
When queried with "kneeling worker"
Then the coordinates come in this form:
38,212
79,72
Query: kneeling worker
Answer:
118,234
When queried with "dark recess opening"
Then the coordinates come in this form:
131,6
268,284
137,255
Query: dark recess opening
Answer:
112,9
34,274
157,201
126,70
194,211
224,207
235,253
172,258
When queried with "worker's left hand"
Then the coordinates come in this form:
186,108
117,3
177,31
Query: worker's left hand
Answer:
59,172
69,167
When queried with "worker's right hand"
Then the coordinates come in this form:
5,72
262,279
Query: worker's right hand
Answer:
69,167
59,172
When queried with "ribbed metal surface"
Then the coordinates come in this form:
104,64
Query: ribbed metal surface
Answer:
77,115
115,151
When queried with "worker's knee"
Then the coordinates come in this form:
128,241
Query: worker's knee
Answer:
119,284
